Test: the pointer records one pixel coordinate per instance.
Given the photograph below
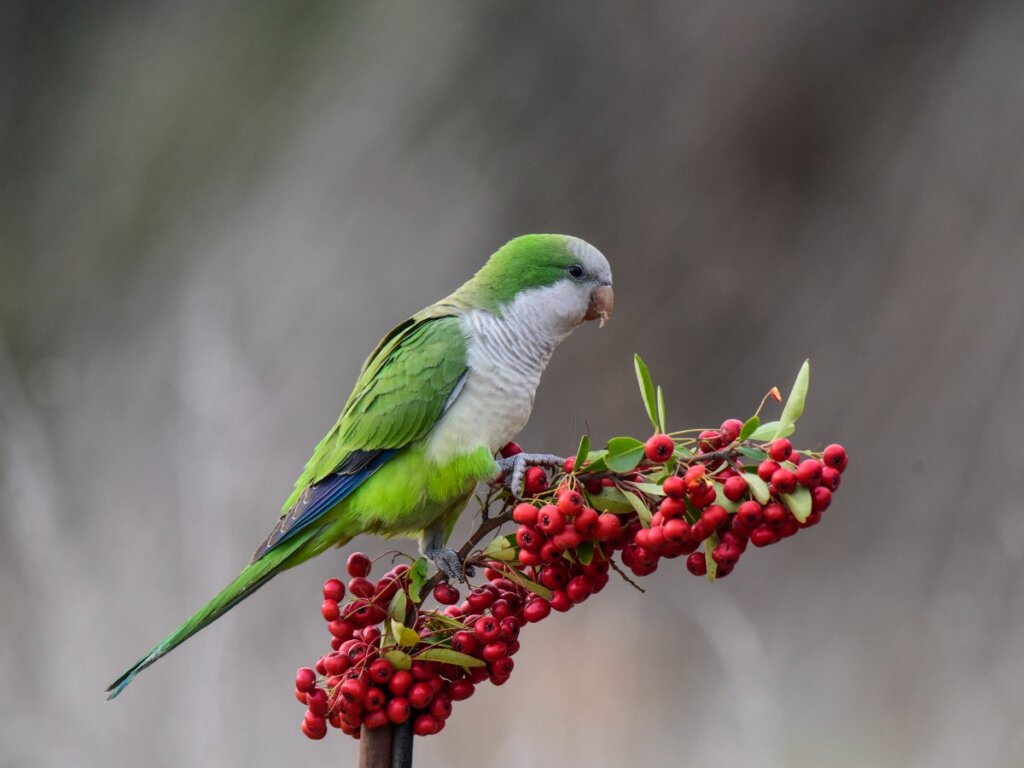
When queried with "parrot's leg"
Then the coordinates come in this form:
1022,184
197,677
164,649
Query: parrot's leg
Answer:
445,558
514,468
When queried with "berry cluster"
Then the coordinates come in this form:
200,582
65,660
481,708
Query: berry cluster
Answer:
704,495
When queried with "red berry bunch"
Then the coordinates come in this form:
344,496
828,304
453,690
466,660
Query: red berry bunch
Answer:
703,497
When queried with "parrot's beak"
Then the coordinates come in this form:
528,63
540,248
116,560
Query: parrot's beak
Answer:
602,301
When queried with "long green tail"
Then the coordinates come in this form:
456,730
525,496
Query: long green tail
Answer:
252,577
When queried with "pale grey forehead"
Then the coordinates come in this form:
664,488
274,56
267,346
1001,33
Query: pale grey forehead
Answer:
590,258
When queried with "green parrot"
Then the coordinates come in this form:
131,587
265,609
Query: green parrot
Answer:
436,400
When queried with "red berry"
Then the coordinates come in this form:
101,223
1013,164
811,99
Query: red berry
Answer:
420,694
525,514
659,449
536,609
465,642
494,651
569,464
311,732
671,507
560,601
422,671
529,538
359,565
510,449
381,671
830,477
446,594
735,487
702,495
730,430
487,629
709,440
580,588
674,487
329,610
570,503
400,682
586,522
714,516
750,513
762,536
808,474
374,699
398,710
567,539
360,586
835,457
780,449
441,706
536,481
305,680
821,497
694,476
460,690
775,515
608,526
502,667
354,689
697,564
766,469
480,599
677,531
550,519
783,481
724,554
554,576
334,590
341,629
425,725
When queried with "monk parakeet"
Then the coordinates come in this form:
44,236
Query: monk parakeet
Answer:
436,400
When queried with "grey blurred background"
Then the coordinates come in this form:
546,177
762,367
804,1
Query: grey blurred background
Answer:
211,211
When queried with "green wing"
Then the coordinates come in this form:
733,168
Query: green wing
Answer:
406,385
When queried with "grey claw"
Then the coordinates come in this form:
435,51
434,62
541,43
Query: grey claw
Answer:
514,468
448,562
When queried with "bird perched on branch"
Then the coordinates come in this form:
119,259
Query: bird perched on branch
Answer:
436,400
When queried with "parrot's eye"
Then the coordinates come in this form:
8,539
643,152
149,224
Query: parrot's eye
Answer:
575,271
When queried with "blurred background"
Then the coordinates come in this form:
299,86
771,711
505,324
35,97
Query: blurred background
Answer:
211,211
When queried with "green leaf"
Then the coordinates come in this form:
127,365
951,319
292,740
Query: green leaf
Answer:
643,377
585,552
721,500
758,487
500,549
448,656
417,578
651,489
752,453
794,407
765,432
397,607
641,509
749,426
610,499
709,544
596,461
799,503
399,659
624,454
405,637
513,575
581,454
661,410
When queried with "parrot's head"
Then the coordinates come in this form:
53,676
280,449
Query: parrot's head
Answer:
559,280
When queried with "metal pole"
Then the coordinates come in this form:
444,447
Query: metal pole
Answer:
387,747
401,746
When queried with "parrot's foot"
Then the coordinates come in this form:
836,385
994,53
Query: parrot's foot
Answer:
514,468
449,563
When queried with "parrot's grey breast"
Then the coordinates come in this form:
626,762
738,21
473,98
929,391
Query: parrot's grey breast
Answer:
506,356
